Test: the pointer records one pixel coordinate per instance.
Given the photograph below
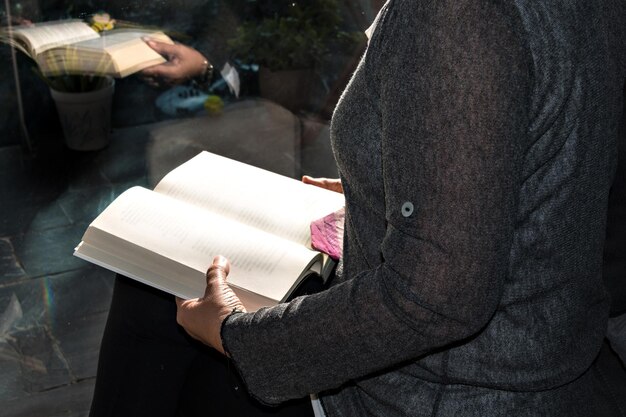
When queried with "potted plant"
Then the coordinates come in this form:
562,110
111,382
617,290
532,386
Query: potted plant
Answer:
84,102
290,47
84,107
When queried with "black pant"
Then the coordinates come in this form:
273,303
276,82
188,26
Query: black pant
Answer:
149,366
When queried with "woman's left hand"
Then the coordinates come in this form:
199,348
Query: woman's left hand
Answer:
202,317
331,184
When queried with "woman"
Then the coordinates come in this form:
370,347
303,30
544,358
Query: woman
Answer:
476,146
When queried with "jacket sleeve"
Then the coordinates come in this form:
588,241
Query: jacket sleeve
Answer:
452,84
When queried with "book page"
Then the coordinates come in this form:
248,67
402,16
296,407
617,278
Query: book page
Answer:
44,36
173,230
276,204
118,40
18,43
162,273
130,53
67,60
118,53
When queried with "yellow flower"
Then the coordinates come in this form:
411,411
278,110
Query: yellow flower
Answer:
102,21
213,105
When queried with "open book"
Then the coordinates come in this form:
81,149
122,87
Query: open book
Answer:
73,47
211,206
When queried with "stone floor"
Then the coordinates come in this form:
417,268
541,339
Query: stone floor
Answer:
53,306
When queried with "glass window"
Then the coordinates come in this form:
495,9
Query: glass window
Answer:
298,55
69,145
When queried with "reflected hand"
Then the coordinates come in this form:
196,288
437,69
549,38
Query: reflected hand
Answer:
202,317
183,63
332,184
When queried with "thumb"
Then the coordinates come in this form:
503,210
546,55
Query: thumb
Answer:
216,274
220,268
218,289
162,48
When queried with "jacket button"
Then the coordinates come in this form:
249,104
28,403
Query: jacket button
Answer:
407,209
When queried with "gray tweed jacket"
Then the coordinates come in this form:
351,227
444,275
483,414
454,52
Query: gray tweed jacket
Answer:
476,144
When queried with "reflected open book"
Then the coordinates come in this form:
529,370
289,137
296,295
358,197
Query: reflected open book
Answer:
212,205
73,47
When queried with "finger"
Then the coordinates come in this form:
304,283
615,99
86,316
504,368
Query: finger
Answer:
151,81
315,181
166,70
326,183
162,48
312,181
149,72
219,269
222,262
182,318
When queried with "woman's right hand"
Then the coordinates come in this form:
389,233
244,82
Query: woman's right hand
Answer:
183,63
332,184
202,317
